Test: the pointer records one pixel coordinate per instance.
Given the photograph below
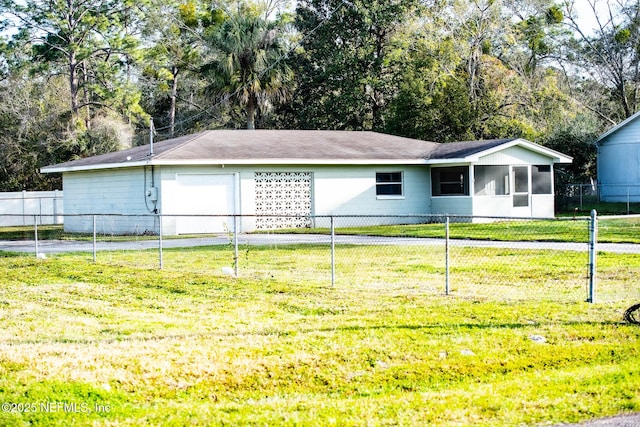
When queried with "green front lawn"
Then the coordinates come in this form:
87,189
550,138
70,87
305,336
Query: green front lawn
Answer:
123,345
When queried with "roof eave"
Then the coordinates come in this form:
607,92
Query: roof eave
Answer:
231,162
540,149
101,166
618,126
452,161
476,156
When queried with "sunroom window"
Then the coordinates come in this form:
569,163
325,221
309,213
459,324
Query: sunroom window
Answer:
541,179
389,184
491,180
450,181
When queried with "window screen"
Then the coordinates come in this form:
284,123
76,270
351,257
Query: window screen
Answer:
521,179
453,181
389,184
541,179
491,180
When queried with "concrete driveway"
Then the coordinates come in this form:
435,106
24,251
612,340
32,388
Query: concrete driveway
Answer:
628,420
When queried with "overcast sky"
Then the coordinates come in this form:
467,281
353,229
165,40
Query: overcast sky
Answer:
585,13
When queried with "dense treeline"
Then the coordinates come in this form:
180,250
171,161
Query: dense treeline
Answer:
82,77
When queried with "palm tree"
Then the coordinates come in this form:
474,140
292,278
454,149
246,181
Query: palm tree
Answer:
248,66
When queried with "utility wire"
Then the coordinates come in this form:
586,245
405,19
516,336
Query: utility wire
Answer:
226,98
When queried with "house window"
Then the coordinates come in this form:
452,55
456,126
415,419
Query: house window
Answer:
388,183
541,180
491,180
451,181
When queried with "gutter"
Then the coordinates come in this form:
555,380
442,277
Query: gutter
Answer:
236,162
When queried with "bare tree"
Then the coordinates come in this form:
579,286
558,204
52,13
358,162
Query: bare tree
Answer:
607,40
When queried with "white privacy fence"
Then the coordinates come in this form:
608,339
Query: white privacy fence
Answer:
20,207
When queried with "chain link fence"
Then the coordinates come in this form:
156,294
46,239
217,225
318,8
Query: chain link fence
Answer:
623,198
557,259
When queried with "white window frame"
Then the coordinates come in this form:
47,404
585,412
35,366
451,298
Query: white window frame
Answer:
390,196
536,174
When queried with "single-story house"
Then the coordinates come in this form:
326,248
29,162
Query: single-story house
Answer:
258,173
618,162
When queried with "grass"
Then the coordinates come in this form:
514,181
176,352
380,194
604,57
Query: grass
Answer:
573,207
610,230
188,345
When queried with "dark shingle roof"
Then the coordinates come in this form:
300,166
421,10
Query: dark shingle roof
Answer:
460,150
288,147
224,145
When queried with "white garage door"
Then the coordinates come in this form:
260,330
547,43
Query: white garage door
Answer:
203,195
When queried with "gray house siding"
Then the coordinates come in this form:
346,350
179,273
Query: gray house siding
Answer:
119,191
618,162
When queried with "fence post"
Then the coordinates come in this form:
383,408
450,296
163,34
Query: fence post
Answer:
160,258
593,240
235,246
95,257
35,232
55,207
24,208
446,251
333,252
580,187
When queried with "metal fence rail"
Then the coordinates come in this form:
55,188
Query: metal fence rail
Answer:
557,259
